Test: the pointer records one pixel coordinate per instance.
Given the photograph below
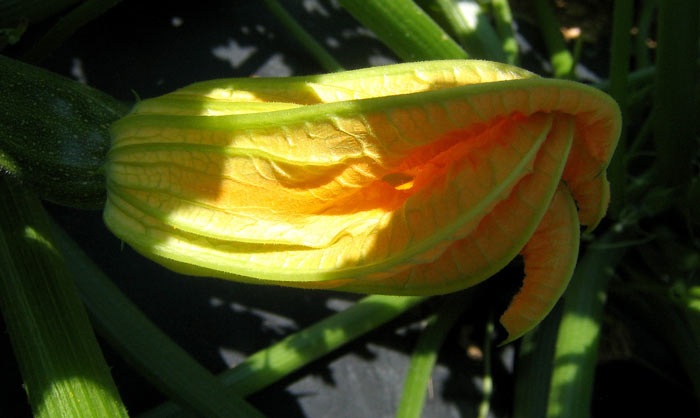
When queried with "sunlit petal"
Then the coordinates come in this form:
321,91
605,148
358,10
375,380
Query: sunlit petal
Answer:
416,179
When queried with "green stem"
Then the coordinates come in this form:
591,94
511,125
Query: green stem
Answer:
504,26
425,355
472,29
578,47
60,360
559,56
675,113
579,332
533,374
153,353
314,48
299,349
405,28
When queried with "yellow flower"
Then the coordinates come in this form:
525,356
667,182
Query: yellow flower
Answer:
410,179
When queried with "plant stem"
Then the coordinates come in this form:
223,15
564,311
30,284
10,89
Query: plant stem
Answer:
533,374
504,26
675,113
559,56
154,354
60,360
299,349
425,355
314,48
472,29
579,331
405,28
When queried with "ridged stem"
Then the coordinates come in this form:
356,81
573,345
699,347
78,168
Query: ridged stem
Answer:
576,348
405,28
425,355
58,355
154,354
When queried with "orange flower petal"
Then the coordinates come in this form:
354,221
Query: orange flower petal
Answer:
500,235
419,178
550,257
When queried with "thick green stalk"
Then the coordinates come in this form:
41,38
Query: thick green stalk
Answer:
61,363
675,112
503,18
579,332
619,74
159,359
307,41
425,355
405,28
473,30
559,56
299,349
533,374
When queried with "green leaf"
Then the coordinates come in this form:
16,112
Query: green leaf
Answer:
470,24
315,49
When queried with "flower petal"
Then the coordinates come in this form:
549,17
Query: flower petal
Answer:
550,257
365,180
213,97
376,228
500,235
